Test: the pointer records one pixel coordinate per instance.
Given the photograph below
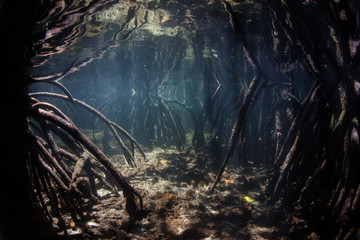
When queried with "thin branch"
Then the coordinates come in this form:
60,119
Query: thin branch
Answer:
254,87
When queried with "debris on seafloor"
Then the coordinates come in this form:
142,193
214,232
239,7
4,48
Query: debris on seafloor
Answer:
248,199
228,181
168,197
173,185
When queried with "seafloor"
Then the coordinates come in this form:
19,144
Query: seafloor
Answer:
174,185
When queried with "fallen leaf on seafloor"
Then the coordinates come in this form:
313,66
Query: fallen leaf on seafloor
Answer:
248,199
164,19
228,181
162,161
72,224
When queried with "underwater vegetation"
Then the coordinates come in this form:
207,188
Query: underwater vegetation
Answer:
180,119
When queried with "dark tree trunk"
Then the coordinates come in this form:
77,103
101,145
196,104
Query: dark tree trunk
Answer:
19,218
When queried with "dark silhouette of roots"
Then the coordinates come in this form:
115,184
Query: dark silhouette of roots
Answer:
66,167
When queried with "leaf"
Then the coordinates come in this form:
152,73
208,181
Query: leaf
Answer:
248,199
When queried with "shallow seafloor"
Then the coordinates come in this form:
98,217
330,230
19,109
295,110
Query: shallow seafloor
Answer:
174,185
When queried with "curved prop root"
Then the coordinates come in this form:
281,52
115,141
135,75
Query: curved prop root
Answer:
113,126
71,129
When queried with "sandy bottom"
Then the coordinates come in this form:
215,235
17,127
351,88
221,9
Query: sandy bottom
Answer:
177,203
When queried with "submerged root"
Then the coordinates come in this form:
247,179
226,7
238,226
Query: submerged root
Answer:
68,180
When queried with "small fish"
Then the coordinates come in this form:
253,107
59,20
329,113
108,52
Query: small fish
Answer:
133,92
